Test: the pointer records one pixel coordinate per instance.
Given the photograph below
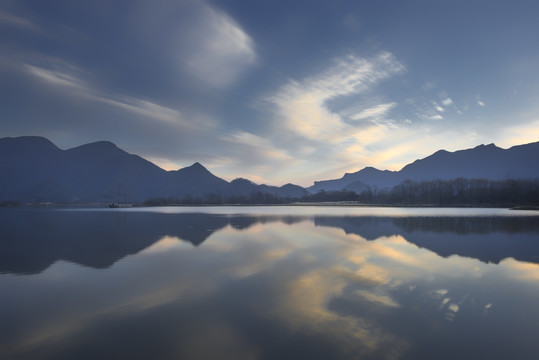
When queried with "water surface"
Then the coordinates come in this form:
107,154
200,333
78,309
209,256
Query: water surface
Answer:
269,283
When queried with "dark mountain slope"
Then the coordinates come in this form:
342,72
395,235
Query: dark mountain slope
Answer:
484,161
193,180
33,169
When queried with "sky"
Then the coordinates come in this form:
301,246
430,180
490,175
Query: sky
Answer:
273,91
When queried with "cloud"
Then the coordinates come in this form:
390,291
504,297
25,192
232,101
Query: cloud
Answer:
70,82
480,103
315,134
374,112
447,102
15,21
220,49
302,105
432,117
247,152
253,143
519,133
58,78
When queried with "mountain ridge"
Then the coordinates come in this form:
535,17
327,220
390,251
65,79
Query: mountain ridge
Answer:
483,161
33,169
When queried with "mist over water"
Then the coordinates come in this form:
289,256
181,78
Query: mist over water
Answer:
268,282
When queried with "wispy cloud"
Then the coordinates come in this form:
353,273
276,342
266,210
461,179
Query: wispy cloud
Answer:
480,103
141,107
220,49
309,128
16,21
66,80
374,112
58,78
247,152
302,105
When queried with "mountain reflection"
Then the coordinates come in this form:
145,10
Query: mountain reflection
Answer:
489,239
207,286
32,240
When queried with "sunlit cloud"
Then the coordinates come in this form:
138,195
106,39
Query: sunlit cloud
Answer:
256,143
480,103
143,108
302,105
250,152
519,131
375,112
309,130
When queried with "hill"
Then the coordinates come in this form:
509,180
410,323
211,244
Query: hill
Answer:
482,162
34,170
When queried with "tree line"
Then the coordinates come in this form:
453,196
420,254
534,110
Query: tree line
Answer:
255,197
456,192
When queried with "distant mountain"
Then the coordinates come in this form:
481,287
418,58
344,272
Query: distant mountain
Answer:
484,161
243,186
194,180
33,169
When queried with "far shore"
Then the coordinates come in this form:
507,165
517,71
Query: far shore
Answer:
323,203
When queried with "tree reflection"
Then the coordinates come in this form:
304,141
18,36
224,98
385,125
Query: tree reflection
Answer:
33,239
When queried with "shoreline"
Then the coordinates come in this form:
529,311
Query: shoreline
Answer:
298,204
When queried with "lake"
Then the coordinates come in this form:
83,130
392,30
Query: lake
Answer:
269,283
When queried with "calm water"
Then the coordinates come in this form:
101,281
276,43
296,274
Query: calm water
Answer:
269,283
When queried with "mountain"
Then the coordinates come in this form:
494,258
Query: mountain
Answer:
194,180
484,161
33,169
243,186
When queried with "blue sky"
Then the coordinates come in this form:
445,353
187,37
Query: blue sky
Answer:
274,91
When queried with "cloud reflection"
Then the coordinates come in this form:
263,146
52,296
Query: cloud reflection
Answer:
260,287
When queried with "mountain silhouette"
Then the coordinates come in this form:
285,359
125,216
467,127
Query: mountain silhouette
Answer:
482,162
34,170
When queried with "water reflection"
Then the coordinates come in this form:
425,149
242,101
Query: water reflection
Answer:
206,286
489,239
32,240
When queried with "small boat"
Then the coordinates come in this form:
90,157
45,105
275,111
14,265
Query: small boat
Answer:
117,203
